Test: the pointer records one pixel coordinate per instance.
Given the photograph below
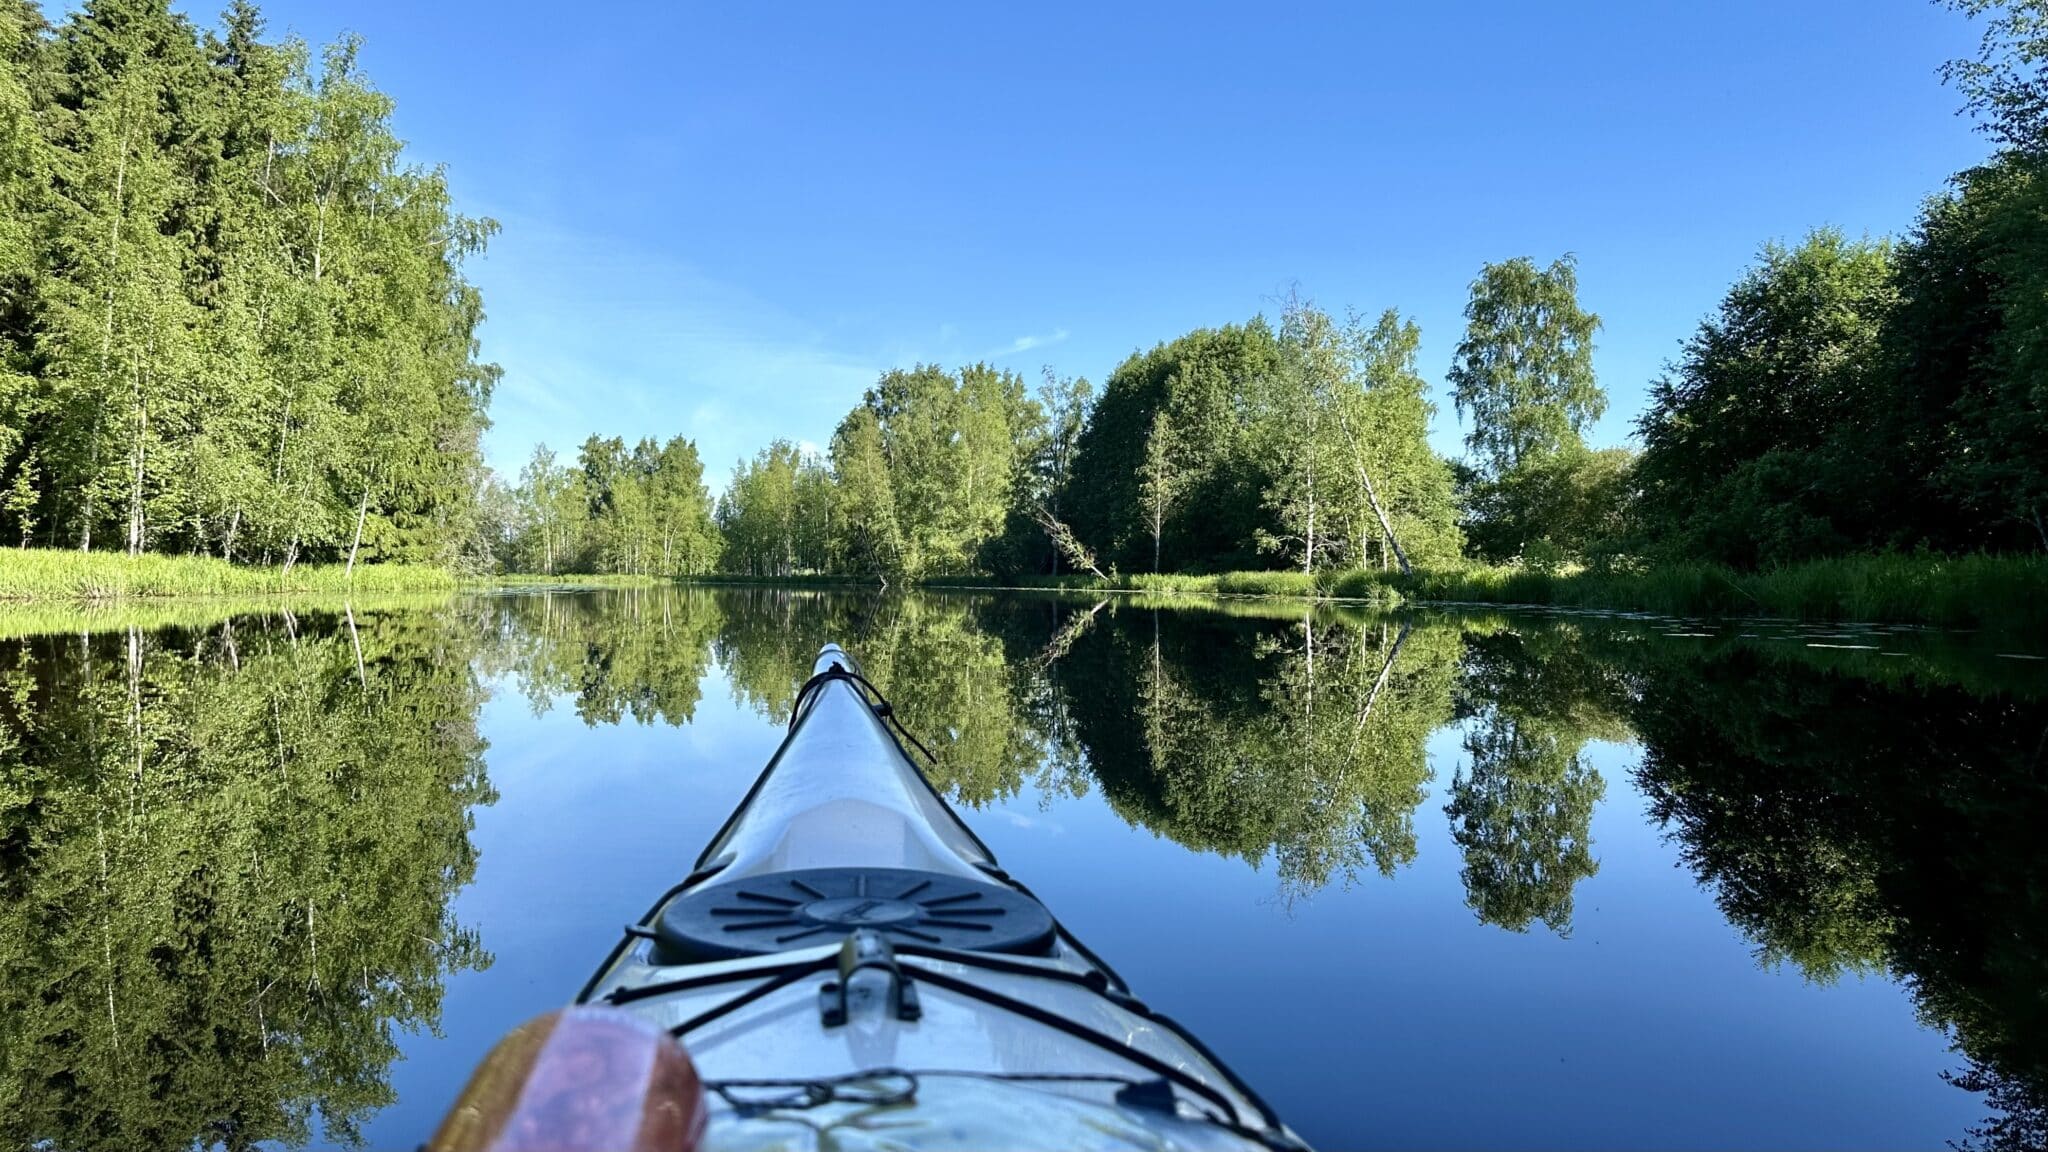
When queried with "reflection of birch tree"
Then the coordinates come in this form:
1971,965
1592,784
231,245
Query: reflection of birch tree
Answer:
1522,812
229,861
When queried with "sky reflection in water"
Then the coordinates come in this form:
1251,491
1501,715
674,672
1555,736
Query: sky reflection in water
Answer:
1438,881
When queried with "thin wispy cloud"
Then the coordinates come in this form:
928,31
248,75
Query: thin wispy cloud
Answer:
599,340
1027,343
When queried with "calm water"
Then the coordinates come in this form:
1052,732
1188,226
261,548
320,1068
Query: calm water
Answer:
1514,881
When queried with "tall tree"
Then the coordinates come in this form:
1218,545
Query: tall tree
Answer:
245,329
1747,452
1300,433
1161,481
1402,499
24,181
1524,370
1524,375
1210,382
869,541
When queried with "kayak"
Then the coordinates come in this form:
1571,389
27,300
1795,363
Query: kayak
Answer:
848,967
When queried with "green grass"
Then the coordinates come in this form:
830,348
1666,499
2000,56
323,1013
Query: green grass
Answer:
1373,586
565,580
2005,592
50,574
20,618
798,580
1994,592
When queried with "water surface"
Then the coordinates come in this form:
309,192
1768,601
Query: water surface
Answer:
1431,880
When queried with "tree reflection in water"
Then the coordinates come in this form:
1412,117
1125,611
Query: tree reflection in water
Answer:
228,850
226,857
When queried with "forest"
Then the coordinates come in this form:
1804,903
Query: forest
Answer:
233,318
1850,396
234,323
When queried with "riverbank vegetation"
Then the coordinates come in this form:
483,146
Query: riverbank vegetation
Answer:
237,326
1858,430
233,318
1969,591
43,574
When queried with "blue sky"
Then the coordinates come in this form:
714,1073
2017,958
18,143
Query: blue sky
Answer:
724,220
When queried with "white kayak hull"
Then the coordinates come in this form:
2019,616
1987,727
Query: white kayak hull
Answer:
846,938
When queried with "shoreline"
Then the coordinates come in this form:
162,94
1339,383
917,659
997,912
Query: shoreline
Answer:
1992,592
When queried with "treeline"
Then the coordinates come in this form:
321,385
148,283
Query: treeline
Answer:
1849,396
1852,395
233,319
645,511
1302,444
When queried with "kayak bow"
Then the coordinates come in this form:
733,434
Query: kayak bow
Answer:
847,966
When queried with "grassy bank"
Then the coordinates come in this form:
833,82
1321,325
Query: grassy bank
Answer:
1372,586
20,618
1948,592
50,574
799,580
565,580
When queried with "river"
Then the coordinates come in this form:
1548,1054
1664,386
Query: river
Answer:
1443,879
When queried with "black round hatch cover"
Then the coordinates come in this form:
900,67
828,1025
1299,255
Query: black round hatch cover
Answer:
785,910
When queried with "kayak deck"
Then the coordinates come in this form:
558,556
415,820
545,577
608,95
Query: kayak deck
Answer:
845,934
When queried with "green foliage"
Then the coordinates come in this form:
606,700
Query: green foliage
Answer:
1238,447
1521,806
229,857
775,517
1848,826
928,476
1302,741
2006,593
1159,479
1520,811
1524,373
1967,419
642,513
1750,454
1524,370
1849,397
869,541
2006,84
638,654
46,574
1383,425
232,319
1206,382
1559,508
19,618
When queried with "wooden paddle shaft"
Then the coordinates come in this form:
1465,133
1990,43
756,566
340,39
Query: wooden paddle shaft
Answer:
582,1078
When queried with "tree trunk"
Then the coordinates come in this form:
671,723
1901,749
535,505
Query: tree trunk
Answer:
1386,525
1308,550
1386,670
107,332
356,643
348,574
135,521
